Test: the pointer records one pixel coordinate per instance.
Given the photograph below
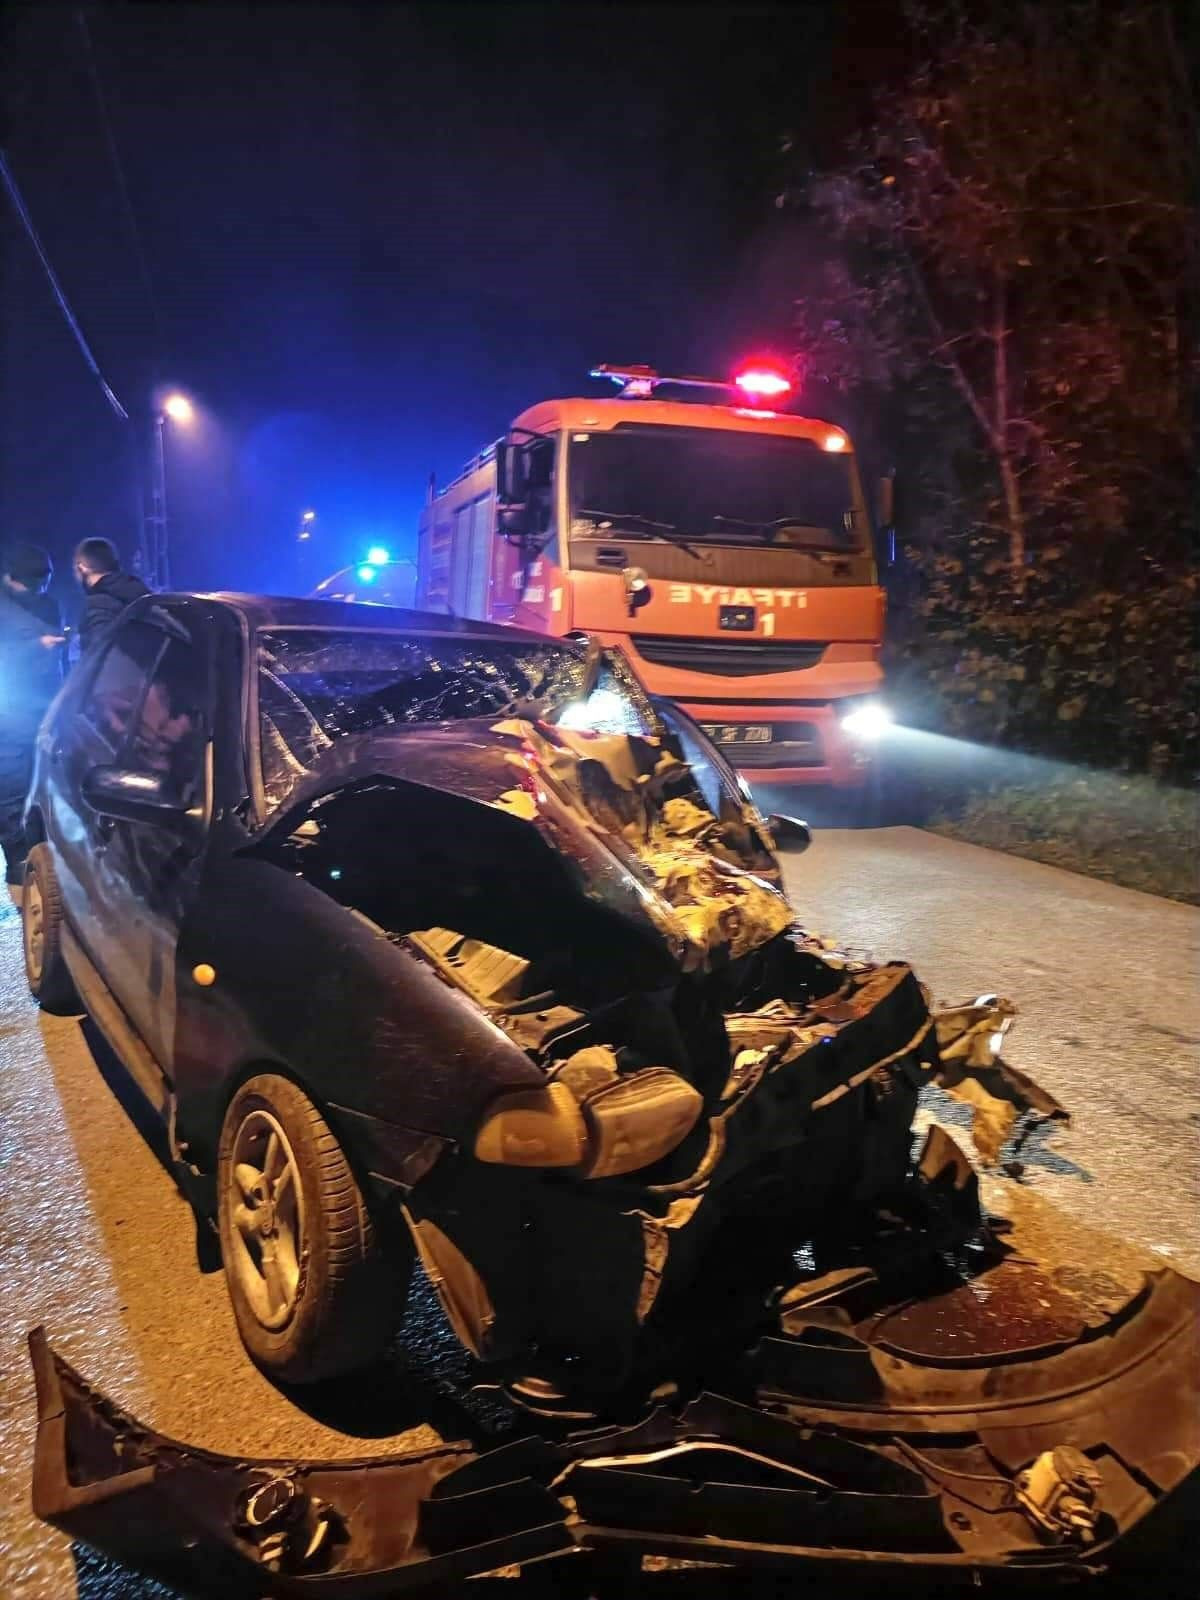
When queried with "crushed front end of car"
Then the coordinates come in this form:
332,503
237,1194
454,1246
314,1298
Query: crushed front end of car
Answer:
747,1317
712,1086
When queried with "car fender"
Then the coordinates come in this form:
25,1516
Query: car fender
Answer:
272,969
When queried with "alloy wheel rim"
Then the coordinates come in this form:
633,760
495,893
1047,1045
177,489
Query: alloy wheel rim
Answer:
267,1211
33,914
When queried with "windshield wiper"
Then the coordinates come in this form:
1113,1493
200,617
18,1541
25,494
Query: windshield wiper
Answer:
760,529
636,524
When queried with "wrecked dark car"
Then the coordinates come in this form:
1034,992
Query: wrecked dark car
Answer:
434,939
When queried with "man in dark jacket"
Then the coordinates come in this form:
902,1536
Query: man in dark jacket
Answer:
31,642
106,589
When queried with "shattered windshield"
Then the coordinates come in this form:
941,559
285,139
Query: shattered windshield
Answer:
711,485
318,685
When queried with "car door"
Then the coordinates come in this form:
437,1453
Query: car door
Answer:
90,728
147,711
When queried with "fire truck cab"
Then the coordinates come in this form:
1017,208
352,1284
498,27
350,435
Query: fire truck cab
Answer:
726,548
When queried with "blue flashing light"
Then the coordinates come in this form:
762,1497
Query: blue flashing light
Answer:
379,555
366,574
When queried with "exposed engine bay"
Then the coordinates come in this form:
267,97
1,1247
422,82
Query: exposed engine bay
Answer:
708,1069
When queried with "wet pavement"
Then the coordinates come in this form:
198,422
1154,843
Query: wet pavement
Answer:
1107,984
96,1243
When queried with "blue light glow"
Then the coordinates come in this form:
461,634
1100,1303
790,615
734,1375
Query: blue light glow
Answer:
379,555
366,574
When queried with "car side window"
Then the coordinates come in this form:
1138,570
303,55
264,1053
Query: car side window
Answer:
148,704
169,732
115,692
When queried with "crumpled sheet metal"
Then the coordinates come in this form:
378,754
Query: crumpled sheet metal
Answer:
969,1040
221,1525
701,899
786,1064
925,1478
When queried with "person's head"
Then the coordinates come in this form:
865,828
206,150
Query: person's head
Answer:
27,568
95,559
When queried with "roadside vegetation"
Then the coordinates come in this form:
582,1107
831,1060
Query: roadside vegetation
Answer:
998,289
1127,830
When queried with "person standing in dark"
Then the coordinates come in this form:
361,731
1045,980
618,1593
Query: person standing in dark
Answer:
31,666
106,589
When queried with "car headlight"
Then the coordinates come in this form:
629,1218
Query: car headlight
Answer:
867,720
618,1127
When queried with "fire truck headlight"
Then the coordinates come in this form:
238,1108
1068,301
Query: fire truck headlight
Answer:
867,720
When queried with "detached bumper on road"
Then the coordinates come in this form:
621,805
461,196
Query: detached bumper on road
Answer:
1001,1425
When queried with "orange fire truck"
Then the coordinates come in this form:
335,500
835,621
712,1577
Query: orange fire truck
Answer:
725,547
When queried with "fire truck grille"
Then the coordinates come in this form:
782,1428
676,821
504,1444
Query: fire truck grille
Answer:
733,658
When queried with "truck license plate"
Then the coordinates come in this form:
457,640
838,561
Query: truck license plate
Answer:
726,733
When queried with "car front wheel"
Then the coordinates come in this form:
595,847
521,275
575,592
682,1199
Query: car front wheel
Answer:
46,972
314,1293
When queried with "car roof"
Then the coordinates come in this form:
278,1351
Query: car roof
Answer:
263,611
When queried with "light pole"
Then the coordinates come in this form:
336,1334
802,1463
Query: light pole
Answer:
179,409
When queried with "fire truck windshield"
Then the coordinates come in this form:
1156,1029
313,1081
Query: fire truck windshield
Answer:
709,485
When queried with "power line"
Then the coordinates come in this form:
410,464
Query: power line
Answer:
114,156
10,183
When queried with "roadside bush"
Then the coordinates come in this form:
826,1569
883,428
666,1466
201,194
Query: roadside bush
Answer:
1130,831
1107,679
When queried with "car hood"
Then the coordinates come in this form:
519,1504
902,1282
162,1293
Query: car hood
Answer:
621,809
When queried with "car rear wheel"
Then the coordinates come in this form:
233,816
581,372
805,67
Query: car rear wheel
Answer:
46,971
314,1293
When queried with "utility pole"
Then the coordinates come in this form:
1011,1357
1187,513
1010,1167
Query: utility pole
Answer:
154,528
175,408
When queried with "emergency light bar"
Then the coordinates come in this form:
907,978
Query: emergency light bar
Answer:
762,379
763,383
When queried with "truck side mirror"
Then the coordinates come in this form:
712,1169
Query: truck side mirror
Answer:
524,478
511,462
512,489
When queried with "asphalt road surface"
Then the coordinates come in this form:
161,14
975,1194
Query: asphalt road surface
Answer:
96,1244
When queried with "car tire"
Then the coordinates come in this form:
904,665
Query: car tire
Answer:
313,1290
50,982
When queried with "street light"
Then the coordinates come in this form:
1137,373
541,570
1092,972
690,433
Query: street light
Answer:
180,410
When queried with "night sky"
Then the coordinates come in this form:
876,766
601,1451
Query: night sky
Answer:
373,235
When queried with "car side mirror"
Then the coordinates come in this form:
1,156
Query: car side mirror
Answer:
789,833
126,796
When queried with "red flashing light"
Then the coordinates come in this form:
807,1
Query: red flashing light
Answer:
834,441
762,381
